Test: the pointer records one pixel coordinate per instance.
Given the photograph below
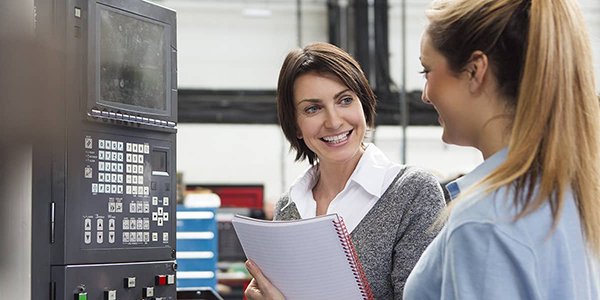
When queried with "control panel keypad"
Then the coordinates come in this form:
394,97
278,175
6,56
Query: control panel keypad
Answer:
134,214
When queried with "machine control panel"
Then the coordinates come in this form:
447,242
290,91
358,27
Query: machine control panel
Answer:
128,193
83,282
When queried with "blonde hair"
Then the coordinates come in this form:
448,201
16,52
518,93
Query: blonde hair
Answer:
554,140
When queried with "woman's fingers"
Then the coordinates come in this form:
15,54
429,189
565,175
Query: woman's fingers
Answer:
260,288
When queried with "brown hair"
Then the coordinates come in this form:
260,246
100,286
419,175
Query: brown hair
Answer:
320,58
541,56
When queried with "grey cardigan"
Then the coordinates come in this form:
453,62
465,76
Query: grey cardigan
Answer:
394,233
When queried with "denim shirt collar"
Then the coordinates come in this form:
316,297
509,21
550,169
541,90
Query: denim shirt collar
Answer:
485,168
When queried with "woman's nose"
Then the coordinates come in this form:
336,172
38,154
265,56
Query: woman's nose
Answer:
333,120
424,95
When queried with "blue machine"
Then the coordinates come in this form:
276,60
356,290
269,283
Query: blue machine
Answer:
197,245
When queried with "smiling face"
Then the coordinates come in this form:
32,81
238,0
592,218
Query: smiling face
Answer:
330,118
449,93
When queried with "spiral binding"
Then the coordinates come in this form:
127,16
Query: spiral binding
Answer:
352,257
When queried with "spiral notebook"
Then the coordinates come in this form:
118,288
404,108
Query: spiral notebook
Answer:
305,259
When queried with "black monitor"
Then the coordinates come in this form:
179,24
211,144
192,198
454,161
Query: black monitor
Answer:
131,60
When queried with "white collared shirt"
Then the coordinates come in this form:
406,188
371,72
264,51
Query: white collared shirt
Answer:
372,176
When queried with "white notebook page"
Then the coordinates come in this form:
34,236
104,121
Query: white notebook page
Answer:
304,259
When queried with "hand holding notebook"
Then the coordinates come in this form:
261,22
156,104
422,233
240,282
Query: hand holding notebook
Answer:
305,259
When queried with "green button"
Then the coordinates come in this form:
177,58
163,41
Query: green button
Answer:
82,296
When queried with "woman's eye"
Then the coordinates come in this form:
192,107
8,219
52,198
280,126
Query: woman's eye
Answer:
424,72
311,109
346,100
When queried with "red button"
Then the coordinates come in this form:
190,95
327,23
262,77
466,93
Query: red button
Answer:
161,280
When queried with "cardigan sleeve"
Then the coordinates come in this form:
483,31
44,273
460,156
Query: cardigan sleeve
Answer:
416,230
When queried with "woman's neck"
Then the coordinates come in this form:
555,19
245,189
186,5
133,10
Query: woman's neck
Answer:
332,178
494,136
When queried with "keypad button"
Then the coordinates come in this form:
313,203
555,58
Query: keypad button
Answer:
125,237
114,145
128,190
165,216
140,179
120,168
87,224
100,166
140,158
154,200
140,148
155,236
133,224
120,146
87,237
146,207
140,190
154,216
100,237
165,237
125,224
94,188
134,148
128,168
128,147
120,179
101,155
128,157
146,149
100,144
119,205
146,190
141,169
165,201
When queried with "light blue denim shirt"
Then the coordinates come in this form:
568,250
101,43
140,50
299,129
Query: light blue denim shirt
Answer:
483,253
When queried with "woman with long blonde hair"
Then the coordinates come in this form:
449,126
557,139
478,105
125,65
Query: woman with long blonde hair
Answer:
514,79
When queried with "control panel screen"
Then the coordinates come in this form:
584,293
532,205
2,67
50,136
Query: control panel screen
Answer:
133,61
159,161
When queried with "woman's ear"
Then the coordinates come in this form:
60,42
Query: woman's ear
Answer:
476,69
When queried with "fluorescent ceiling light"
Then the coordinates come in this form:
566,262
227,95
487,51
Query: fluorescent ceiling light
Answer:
257,12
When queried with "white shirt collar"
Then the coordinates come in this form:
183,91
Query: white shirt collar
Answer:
369,174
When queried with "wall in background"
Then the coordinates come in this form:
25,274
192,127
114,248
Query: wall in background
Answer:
223,46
